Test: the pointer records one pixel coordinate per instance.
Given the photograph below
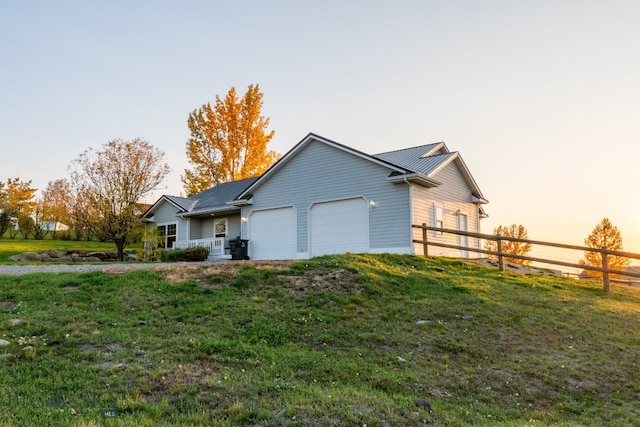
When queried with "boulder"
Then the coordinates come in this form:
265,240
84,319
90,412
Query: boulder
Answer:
27,256
101,255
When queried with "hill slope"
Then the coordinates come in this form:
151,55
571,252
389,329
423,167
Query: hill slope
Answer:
374,340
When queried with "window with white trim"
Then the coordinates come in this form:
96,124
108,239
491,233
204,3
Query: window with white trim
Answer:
168,234
438,219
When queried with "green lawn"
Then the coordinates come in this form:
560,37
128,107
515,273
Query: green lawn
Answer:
9,247
336,341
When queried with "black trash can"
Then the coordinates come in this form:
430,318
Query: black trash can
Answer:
239,248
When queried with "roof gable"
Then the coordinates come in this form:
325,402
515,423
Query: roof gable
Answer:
180,203
311,137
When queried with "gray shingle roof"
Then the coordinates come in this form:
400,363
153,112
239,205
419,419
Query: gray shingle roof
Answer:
218,196
183,203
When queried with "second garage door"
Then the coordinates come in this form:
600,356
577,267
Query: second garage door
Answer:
340,226
273,234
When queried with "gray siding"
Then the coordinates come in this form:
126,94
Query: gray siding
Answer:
167,214
322,173
454,194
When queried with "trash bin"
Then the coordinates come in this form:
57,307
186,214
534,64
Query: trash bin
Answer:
239,248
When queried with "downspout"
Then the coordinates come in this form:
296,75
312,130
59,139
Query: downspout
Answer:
410,214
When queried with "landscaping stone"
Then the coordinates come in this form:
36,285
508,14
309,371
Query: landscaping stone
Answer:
73,255
27,256
4,343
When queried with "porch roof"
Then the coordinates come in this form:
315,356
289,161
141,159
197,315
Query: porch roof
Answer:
216,199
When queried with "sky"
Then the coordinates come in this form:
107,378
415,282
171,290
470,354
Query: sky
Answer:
541,99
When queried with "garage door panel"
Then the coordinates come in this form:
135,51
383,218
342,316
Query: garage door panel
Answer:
273,234
339,227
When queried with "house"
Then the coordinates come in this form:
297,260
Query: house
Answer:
323,197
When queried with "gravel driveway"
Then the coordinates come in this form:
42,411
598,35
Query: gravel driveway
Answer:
17,269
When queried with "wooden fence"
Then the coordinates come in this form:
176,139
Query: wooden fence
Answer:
500,255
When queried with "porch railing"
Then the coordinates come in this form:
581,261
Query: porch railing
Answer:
215,246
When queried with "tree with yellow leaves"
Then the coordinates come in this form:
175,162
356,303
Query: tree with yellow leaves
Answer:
511,247
16,202
604,235
228,141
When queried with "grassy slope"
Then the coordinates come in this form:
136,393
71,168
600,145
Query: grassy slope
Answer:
257,346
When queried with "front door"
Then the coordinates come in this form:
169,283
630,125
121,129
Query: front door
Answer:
220,227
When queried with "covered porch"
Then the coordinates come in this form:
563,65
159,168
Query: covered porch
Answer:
218,248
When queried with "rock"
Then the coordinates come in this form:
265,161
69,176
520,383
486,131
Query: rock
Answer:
101,255
27,256
92,259
15,322
4,343
5,355
402,359
423,404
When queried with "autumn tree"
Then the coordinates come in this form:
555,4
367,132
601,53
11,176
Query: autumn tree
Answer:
113,180
57,201
511,247
228,141
604,235
16,203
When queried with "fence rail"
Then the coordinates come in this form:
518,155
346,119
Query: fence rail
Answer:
500,255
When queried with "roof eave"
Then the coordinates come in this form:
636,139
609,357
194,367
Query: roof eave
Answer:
242,202
416,178
479,200
211,211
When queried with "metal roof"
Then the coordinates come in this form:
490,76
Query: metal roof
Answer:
218,197
423,165
181,202
400,157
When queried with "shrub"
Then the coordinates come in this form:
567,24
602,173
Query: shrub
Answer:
198,253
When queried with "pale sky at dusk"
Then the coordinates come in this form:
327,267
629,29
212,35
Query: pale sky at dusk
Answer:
541,98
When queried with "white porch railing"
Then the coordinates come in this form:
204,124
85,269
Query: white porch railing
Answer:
215,246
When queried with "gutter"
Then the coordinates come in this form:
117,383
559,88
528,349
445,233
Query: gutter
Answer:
417,178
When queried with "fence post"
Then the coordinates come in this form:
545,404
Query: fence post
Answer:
424,239
605,266
500,259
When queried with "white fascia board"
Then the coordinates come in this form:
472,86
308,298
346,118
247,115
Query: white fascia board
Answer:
417,178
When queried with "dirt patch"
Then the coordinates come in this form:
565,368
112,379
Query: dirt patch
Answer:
7,304
220,274
341,280
216,275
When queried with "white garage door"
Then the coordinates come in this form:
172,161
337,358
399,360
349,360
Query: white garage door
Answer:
273,234
339,227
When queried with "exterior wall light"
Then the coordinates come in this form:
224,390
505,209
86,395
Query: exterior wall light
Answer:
372,204
245,219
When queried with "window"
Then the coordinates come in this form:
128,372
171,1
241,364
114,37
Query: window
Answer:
438,219
168,234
